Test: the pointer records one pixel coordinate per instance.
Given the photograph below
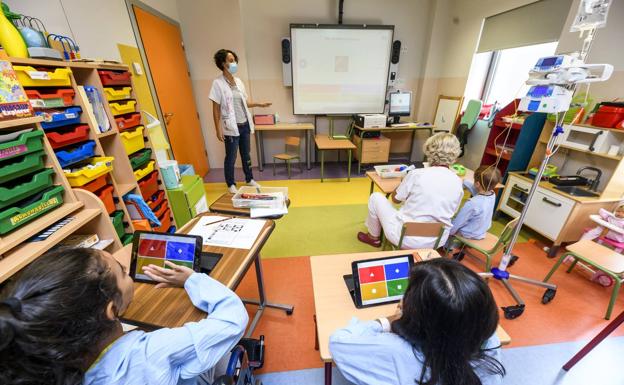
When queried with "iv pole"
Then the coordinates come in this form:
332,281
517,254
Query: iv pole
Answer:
500,273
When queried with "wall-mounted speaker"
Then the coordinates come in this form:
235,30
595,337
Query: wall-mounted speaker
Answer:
395,55
286,62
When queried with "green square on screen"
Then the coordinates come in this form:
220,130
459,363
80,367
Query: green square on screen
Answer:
180,263
396,287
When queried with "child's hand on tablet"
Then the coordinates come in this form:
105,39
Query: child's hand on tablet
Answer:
175,276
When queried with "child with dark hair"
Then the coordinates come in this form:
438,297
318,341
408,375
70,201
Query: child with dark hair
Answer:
442,334
59,324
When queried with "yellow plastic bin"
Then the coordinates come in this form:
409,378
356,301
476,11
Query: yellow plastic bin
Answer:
31,77
140,173
96,168
117,93
122,108
133,140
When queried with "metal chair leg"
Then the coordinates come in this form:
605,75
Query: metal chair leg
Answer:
572,265
614,295
554,268
288,167
273,166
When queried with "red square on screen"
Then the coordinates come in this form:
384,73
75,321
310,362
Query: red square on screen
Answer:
152,248
371,274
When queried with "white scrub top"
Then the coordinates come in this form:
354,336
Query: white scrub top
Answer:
221,93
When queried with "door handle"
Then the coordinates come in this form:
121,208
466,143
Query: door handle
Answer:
168,116
556,204
520,188
592,146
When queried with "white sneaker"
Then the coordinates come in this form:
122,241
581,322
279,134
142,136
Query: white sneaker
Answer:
232,189
253,183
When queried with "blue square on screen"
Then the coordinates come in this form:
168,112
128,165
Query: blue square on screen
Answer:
180,251
397,270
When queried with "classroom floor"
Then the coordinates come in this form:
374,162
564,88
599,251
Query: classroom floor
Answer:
324,218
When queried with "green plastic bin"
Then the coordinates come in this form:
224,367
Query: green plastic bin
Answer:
25,187
126,239
25,211
24,144
141,158
24,165
117,219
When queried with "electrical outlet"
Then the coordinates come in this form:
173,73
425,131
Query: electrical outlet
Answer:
137,68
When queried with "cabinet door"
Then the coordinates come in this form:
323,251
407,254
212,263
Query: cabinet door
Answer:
548,212
514,197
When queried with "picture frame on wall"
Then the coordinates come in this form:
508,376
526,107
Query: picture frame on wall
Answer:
446,113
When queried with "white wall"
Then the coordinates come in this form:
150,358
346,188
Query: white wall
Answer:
96,26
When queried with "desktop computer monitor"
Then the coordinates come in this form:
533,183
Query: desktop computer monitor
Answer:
400,105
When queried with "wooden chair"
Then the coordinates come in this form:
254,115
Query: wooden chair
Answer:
417,229
599,257
488,246
292,151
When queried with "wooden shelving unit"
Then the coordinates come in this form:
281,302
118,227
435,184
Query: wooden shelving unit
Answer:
20,122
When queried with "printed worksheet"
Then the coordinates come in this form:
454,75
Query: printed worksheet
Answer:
236,233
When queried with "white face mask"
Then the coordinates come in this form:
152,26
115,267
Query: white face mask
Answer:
233,67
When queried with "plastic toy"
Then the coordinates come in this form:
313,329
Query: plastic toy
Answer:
459,169
10,37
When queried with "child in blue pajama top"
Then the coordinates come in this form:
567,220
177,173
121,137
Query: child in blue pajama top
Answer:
475,217
78,295
443,333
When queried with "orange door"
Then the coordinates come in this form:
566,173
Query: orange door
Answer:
163,46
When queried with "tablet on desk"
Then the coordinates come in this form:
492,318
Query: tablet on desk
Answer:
151,248
379,281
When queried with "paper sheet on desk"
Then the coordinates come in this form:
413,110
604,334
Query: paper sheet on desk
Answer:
236,233
263,213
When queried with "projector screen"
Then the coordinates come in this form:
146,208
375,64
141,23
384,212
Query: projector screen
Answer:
340,69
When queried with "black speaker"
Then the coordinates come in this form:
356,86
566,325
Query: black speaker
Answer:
396,51
286,50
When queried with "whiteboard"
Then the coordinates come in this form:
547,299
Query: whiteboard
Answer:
340,69
446,113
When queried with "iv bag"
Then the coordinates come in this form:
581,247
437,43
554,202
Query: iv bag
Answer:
591,14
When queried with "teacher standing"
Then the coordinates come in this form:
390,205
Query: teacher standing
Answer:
232,119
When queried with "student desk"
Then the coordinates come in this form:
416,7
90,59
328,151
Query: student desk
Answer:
224,205
157,308
332,302
307,127
325,143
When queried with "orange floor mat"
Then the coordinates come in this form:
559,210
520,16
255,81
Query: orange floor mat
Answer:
576,313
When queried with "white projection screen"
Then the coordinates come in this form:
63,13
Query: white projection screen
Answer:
340,69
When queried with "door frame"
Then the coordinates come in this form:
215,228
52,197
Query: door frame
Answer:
146,67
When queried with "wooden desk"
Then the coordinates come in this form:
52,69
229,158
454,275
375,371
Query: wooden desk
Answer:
332,302
224,205
325,143
307,127
154,308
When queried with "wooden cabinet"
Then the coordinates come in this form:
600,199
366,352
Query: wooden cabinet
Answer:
372,150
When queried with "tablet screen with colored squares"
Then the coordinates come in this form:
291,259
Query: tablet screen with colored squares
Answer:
150,248
381,281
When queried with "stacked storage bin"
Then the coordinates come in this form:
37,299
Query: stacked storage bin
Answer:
117,87
27,189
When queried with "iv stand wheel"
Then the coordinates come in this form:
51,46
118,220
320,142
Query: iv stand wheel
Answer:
548,296
513,260
459,255
512,312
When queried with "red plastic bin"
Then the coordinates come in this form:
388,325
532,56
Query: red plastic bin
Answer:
106,196
64,138
608,115
156,199
128,121
149,185
160,209
95,185
113,78
65,94
165,222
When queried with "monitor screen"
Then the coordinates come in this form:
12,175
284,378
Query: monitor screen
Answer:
382,281
400,103
155,249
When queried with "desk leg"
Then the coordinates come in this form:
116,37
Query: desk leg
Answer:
349,163
308,152
413,136
604,333
328,373
322,164
262,302
260,150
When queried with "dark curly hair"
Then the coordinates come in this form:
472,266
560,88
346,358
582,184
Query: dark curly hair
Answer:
448,314
53,316
221,55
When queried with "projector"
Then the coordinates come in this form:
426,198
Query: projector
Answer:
370,120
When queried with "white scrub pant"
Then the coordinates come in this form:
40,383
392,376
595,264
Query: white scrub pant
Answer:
383,216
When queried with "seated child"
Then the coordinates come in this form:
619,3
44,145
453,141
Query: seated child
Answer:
475,217
615,218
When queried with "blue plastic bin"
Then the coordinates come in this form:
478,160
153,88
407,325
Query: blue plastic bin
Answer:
60,118
186,169
76,154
